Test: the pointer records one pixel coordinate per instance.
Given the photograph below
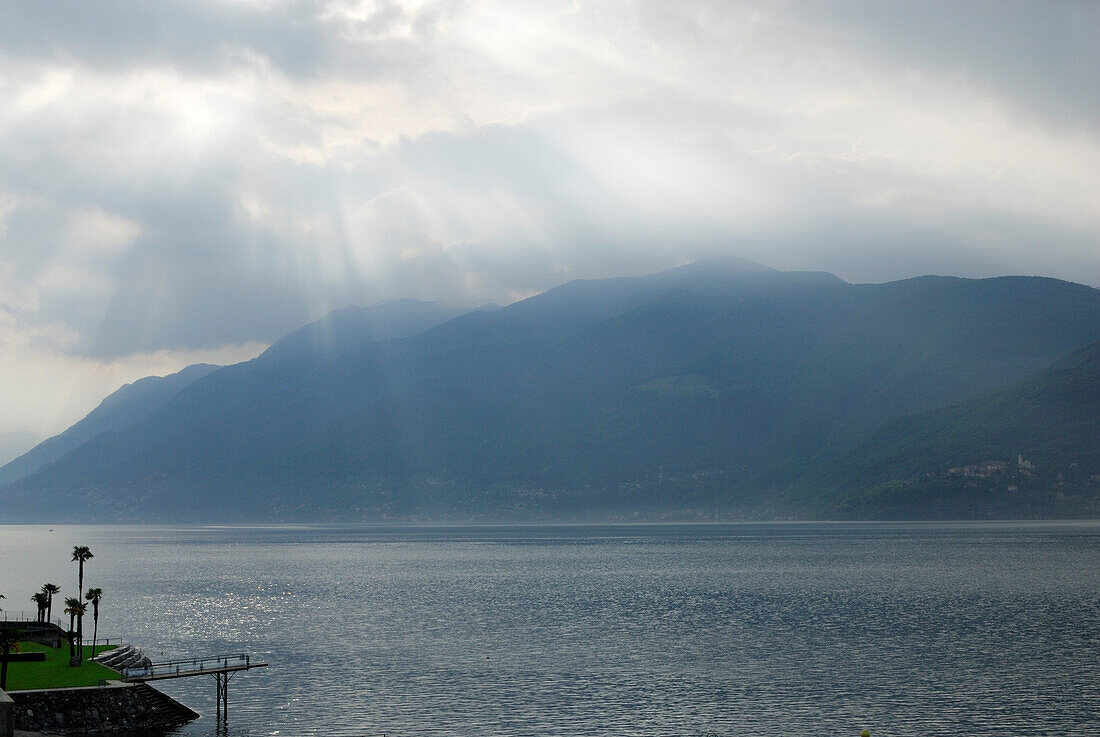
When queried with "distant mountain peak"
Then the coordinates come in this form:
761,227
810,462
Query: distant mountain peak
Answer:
408,303
723,263
352,327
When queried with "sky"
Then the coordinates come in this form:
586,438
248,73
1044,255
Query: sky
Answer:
189,181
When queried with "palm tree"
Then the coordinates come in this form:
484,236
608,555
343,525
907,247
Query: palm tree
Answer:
81,553
40,599
49,590
74,609
94,595
9,643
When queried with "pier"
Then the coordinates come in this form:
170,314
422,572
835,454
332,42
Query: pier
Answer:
222,667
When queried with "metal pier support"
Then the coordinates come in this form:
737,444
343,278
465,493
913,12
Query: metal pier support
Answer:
222,698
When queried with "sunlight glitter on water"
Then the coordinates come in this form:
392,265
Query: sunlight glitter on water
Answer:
603,630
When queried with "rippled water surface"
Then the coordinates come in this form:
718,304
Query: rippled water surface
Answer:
798,629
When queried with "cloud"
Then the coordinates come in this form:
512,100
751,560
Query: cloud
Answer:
1027,56
187,175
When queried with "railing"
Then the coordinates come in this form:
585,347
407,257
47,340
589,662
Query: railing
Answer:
187,667
22,620
8,618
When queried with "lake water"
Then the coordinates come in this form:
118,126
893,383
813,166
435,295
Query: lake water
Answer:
756,629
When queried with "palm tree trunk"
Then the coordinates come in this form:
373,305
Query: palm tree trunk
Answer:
80,618
95,628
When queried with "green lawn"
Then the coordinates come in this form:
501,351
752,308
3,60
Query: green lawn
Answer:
55,672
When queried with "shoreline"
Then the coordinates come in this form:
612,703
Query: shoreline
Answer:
116,707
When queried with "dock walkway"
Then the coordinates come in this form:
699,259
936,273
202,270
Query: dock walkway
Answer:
219,666
191,667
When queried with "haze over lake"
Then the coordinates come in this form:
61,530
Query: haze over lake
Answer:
756,629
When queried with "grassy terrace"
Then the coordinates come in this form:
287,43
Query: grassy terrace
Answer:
55,671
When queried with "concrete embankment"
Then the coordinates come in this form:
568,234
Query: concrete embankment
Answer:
116,707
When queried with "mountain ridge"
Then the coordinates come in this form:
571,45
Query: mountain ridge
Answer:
124,407
590,395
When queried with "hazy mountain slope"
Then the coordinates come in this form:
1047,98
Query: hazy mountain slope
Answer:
189,398
710,385
701,379
127,406
291,360
965,460
1007,320
351,328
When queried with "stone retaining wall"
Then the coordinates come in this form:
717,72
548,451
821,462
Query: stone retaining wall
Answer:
116,707
7,715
